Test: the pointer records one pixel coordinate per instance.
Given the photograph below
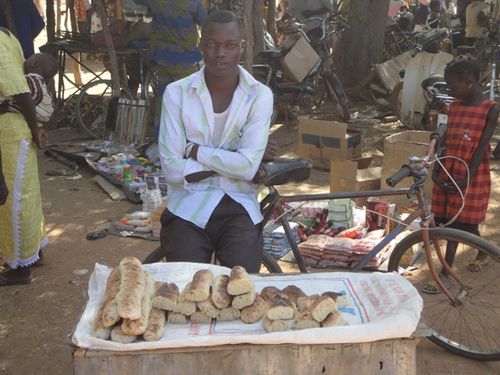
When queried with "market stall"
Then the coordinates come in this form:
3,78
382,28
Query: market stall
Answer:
375,315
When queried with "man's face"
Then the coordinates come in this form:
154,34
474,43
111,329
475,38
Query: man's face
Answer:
222,46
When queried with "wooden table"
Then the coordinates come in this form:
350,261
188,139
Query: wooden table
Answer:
391,357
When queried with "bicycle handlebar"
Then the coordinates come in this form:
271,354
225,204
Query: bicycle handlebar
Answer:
405,171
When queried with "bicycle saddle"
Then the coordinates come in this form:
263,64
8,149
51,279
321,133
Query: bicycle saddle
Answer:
282,171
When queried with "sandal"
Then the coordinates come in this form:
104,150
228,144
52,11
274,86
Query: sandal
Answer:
14,277
432,287
477,265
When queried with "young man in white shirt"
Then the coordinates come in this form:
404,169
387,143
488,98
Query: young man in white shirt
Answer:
213,133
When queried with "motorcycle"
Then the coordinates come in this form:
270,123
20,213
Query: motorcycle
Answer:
297,98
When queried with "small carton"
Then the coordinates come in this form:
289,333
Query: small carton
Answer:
354,175
322,141
299,61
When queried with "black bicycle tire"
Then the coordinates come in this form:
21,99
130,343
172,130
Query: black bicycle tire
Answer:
471,240
270,263
79,99
338,94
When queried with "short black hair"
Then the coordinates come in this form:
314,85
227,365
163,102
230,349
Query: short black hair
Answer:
222,16
462,66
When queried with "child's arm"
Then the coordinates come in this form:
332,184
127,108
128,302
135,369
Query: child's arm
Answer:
25,103
484,143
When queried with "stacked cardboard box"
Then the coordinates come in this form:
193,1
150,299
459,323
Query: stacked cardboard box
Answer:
398,148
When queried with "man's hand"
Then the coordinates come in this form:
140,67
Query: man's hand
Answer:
271,150
40,137
4,192
198,176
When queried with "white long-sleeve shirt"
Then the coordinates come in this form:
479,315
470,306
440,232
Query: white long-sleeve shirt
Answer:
187,116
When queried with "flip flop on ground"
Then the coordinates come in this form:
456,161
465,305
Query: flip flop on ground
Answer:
477,265
432,287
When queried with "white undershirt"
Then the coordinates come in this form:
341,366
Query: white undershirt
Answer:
219,124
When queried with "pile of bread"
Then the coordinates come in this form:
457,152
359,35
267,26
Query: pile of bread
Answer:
135,305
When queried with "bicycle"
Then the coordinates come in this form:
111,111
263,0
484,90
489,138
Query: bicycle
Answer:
464,305
94,97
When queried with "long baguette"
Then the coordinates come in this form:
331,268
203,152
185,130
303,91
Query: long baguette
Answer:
110,314
243,300
166,297
220,297
132,283
184,306
156,322
255,312
118,336
199,289
98,329
138,326
239,281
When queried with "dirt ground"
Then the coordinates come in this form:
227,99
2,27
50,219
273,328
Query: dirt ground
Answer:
36,321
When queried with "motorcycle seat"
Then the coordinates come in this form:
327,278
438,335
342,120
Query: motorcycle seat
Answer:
270,54
282,171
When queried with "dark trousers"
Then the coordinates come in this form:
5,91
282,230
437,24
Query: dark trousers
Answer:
229,233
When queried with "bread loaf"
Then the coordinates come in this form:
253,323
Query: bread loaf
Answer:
228,314
280,307
199,289
239,282
220,297
200,317
255,312
98,329
156,325
117,335
293,293
323,306
332,295
304,320
208,308
244,300
177,318
343,301
132,282
185,306
275,325
269,292
166,297
137,327
110,314
303,303
334,319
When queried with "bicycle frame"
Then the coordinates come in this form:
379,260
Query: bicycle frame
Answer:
423,212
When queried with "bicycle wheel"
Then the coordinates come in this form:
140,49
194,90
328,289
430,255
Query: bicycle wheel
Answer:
336,91
92,104
269,264
471,328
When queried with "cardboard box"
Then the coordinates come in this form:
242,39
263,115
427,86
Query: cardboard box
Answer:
399,147
354,175
299,61
322,141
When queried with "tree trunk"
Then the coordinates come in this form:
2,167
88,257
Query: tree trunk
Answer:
258,26
51,20
248,33
363,42
271,18
115,75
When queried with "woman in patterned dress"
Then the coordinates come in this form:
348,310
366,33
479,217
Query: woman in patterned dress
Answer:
22,232
472,119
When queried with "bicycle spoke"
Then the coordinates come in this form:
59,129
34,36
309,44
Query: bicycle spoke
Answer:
466,326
